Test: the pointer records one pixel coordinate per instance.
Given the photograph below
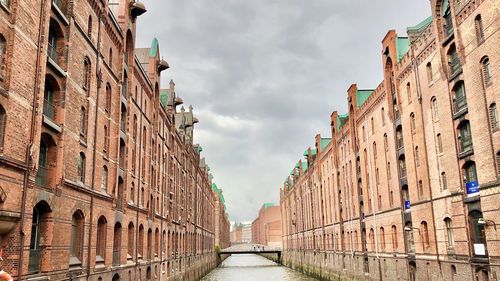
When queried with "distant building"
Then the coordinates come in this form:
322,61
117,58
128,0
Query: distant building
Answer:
266,228
241,233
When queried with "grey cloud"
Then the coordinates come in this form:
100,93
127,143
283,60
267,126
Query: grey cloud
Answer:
264,76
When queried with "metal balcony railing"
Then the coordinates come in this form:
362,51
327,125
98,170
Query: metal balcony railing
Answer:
49,109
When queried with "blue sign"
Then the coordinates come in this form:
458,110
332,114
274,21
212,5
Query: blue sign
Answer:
472,188
407,204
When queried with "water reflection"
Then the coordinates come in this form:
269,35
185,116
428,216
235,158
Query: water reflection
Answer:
253,267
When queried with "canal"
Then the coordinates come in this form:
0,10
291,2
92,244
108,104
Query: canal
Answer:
250,267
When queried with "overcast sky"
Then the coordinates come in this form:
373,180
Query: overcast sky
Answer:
264,76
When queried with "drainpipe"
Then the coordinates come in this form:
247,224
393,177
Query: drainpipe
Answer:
419,95
29,147
94,152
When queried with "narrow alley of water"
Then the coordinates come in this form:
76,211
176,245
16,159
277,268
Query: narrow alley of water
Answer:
250,267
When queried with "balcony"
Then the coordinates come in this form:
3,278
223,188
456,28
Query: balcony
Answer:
49,109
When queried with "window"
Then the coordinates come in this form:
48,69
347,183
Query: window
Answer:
383,116
140,242
117,240
459,97
83,122
434,109
388,170
399,137
420,189
3,123
417,156
444,182
449,232
439,143
493,117
373,126
130,242
374,151
39,228
110,58
132,193
157,242
108,98
106,140
76,250
104,179
465,137
498,162
429,73
386,147
408,92
425,235
478,24
402,166
149,243
81,167
382,239
478,235
101,239
448,24
470,172
410,241
486,71
50,97
2,56
89,27
142,197
453,60
394,237
86,74
412,123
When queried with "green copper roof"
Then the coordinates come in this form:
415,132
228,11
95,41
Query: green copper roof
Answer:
402,47
313,152
342,120
362,96
267,205
154,48
163,97
324,143
421,25
304,166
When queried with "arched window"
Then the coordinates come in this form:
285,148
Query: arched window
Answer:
449,232
429,73
394,236
470,171
486,71
434,109
408,92
117,241
134,130
51,97
101,239
478,235
106,140
130,242
382,239
410,241
140,242
425,235
412,123
372,126
478,24
142,197
382,113
402,166
439,143
388,170
417,156
104,179
3,123
86,74
374,151
83,122
89,27
132,193
149,245
386,146
157,242
399,137
493,117
110,58
464,136
459,97
39,228
76,249
453,60
420,189
444,182
81,167
108,98
2,56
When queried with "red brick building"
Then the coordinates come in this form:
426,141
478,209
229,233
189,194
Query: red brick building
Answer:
222,223
407,187
266,228
99,176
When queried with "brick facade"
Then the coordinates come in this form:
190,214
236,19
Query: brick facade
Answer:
266,228
407,186
99,176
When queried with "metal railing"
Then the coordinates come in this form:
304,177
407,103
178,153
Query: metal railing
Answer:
49,109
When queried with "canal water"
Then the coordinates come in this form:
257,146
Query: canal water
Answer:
253,268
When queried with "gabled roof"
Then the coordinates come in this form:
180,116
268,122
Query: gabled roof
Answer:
324,143
342,118
402,47
313,152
